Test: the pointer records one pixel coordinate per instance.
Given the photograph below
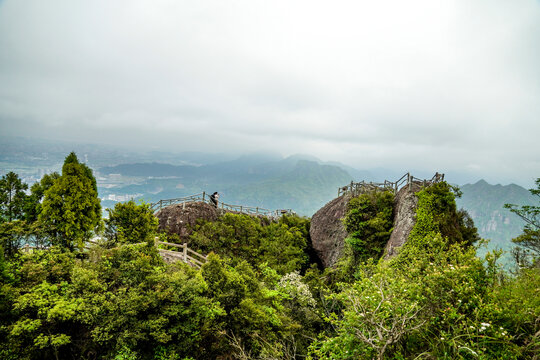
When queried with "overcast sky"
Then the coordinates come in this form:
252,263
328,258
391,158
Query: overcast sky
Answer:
441,85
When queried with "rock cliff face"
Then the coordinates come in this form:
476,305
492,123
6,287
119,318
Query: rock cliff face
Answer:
181,219
327,231
405,205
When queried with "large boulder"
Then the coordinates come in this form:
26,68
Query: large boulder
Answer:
327,231
181,219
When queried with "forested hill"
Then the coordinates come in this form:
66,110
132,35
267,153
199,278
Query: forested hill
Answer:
485,204
259,294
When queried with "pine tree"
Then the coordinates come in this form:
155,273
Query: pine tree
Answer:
12,197
71,209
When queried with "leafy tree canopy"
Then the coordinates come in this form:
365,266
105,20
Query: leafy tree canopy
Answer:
33,207
530,239
282,244
369,223
12,197
71,209
437,214
130,223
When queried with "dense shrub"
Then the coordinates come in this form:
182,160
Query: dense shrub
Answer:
281,244
444,304
369,223
435,300
130,223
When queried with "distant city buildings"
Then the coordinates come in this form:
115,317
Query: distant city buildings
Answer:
121,198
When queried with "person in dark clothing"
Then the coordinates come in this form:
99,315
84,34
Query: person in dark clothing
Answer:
214,198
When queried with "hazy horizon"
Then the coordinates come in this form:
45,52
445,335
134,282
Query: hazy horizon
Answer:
450,86
87,152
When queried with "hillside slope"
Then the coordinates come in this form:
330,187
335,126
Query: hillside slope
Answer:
485,203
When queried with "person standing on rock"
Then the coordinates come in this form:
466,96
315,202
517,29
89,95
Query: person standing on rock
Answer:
214,198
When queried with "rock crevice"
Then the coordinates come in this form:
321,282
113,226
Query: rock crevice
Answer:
405,205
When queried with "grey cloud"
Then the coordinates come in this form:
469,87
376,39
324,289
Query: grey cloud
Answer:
451,84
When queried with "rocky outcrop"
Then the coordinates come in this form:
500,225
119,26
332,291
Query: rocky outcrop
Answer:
181,219
405,205
327,231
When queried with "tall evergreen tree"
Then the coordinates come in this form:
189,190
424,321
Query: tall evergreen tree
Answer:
32,207
12,197
71,209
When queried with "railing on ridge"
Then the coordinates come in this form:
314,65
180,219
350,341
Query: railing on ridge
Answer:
187,255
190,257
204,197
393,186
28,249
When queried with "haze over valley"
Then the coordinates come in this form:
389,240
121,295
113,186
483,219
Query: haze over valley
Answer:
302,183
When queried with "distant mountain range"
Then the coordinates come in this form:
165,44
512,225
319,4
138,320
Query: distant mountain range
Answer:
293,182
485,204
305,184
300,182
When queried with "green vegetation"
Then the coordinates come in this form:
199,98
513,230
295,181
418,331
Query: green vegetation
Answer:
282,245
33,206
71,210
369,223
12,197
435,299
485,203
130,223
437,214
442,304
529,241
258,296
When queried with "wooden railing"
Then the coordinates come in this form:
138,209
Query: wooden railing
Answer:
204,197
186,255
28,249
393,186
183,200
